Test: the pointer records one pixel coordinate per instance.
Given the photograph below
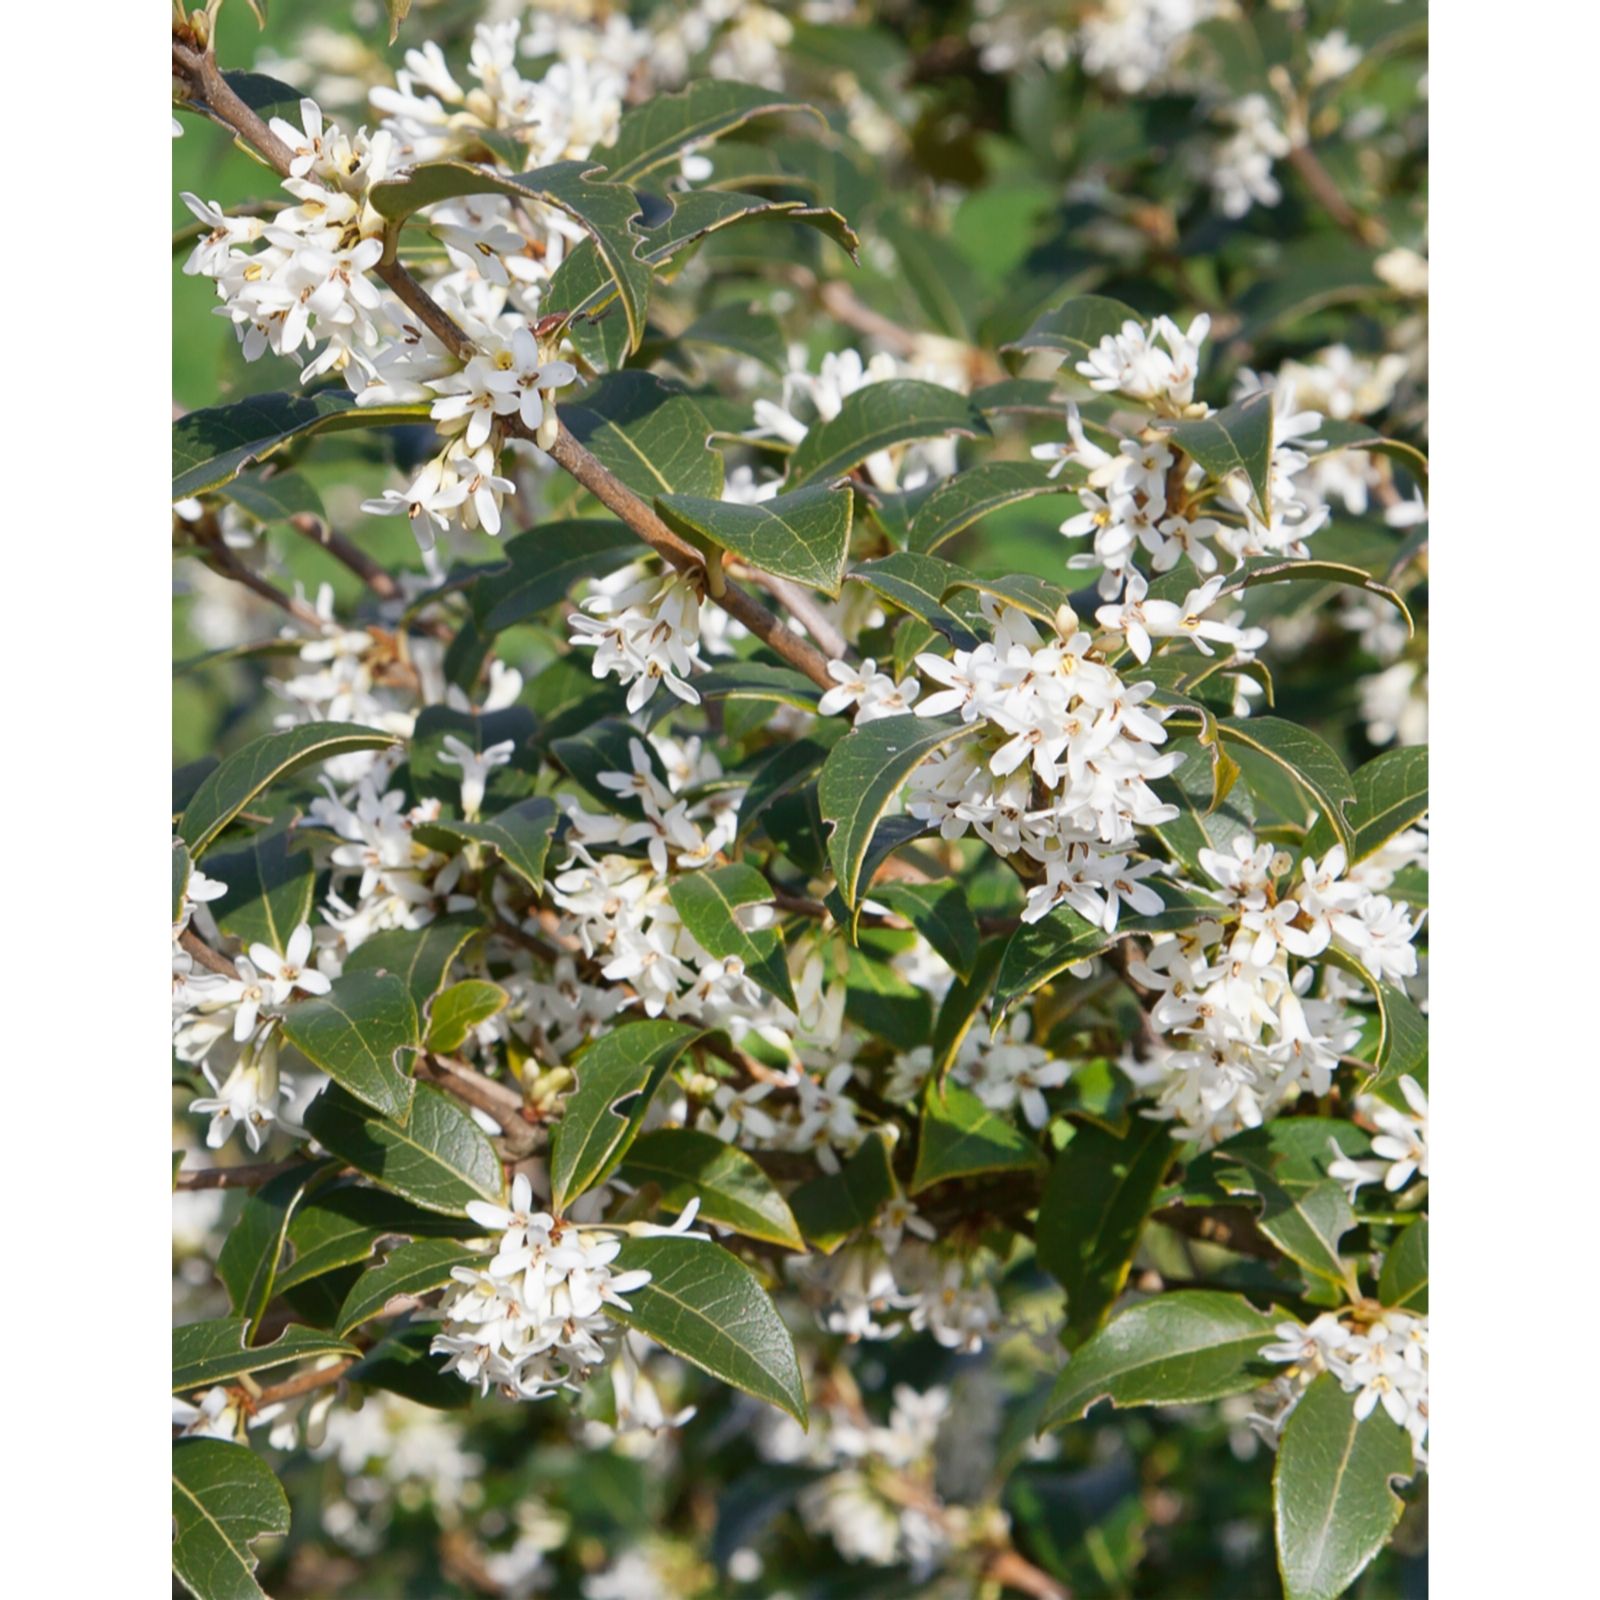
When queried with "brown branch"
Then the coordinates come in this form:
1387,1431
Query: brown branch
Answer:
303,1383
213,960
250,1176
1362,228
226,563
377,578
495,1099
1231,1227
204,76
805,611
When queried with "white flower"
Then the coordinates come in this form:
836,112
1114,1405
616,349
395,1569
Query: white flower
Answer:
475,767
284,974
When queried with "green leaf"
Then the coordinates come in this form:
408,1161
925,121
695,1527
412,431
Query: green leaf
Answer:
1092,1213
1307,1225
275,496
421,957
270,887
1403,1049
441,1159
733,1191
940,913
1308,760
860,779
410,1269
626,1065
833,1206
708,1307
744,329
231,786
604,747
1185,1345
1042,950
204,1353
1076,326
542,566
181,868
803,535
959,1009
211,447
1201,823
916,583
1347,435
355,1034
247,1264
520,835
1237,439
224,1498
1333,1504
961,1137
960,501
1036,597
877,416
402,1363
1260,570
340,1227
606,210
649,432
454,1012
1391,795
759,680
653,134
708,902
702,212
1403,1283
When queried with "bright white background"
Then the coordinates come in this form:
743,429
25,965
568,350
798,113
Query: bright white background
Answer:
84,636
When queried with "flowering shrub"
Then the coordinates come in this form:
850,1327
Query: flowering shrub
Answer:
800,848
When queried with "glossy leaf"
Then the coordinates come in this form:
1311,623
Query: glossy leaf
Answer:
709,902
441,1159
211,447
1403,1283
270,883
960,1137
653,134
860,779
519,835
236,781
1235,439
543,564
1202,823
247,1264
759,680
617,1075
1186,1345
1261,570
604,209
971,495
204,1353
422,958
224,1498
454,1012
1075,327
416,1268
361,1034
708,1307
732,1189
1306,759
917,583
874,418
802,535
832,1206
1333,1504
1092,1214
940,913
649,432
339,1227
1391,795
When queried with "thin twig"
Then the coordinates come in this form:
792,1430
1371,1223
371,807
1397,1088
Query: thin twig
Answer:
1361,227
250,1176
304,1383
378,579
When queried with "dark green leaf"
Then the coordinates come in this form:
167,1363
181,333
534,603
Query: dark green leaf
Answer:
441,1159
916,583
355,1034
648,432
741,328
1036,597
1076,326
733,1191
213,446
653,134
422,958
1307,759
877,416
204,1353
962,1002
181,868
275,496
1333,1504
940,913
606,210
708,1307
270,887
1201,824
860,779
708,902
1391,795
1237,439
1092,1213
833,1206
230,787
960,501
224,1497
411,1269
340,1227
247,1264
1403,1283
803,535
544,563
617,1075
703,212
759,680
520,835
961,1137
403,1364
1186,1345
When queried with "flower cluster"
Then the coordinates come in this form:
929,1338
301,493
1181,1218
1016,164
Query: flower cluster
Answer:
1382,1360
645,632
1401,1148
531,1322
